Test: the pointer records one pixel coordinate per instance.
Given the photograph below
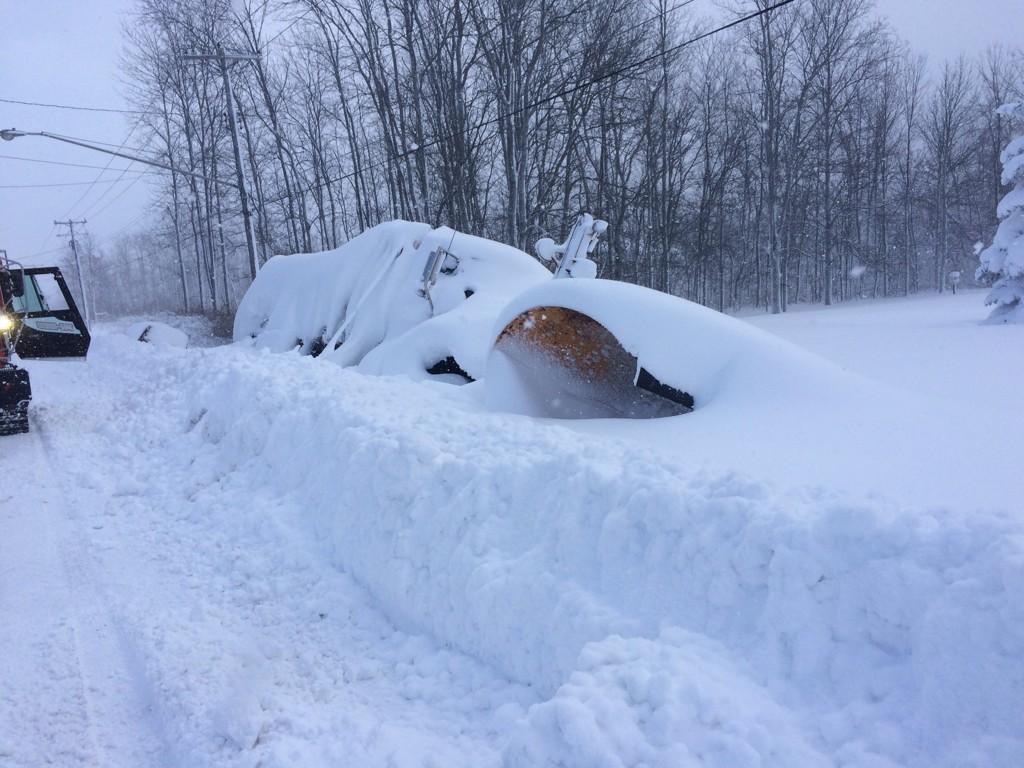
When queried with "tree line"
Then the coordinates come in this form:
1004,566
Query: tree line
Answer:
803,155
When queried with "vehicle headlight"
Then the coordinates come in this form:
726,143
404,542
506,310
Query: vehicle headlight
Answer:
6,322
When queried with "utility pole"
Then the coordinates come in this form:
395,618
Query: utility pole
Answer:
224,59
70,224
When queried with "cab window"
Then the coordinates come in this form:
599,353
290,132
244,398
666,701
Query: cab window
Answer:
31,300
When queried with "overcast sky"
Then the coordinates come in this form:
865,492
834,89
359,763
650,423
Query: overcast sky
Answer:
66,52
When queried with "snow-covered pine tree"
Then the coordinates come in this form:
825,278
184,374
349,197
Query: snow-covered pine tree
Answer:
1002,263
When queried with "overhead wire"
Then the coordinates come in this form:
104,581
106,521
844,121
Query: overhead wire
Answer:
636,25
76,107
59,184
69,165
295,21
114,199
44,253
89,211
437,140
119,145
109,161
46,237
618,72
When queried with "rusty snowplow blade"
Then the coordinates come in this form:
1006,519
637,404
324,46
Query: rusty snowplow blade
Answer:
561,363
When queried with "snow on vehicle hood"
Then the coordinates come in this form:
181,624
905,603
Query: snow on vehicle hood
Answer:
690,347
363,300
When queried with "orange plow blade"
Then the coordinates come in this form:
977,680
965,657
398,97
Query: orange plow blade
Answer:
560,363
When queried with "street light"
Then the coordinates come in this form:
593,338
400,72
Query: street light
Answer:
10,134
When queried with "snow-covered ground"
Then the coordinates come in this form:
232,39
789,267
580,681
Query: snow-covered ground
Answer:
227,557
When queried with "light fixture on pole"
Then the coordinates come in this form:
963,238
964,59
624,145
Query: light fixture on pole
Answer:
10,134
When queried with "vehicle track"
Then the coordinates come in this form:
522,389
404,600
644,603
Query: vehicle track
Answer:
202,627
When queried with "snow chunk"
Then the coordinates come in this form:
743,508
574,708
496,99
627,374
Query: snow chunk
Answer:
160,334
674,701
239,716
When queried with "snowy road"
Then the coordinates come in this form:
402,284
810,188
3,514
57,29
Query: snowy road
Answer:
74,692
156,617
225,558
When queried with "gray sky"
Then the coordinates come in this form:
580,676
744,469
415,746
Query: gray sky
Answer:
66,52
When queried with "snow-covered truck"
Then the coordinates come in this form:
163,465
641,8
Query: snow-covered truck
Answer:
38,319
406,298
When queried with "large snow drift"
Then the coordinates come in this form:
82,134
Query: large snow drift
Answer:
364,305
714,358
668,615
362,302
661,612
668,611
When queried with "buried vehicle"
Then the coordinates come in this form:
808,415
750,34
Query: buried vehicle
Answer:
404,298
38,320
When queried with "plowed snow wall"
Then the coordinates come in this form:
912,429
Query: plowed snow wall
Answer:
890,631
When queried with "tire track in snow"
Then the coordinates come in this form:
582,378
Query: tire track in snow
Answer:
44,710
237,641
118,703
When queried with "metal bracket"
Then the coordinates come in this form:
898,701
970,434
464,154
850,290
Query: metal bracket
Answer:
571,256
440,261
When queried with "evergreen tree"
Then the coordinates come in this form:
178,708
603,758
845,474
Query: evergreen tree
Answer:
1002,263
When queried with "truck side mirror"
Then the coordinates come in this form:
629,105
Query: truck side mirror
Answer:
18,283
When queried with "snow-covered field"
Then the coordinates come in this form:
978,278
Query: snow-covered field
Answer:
227,557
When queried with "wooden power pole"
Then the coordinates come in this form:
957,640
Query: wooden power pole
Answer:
70,224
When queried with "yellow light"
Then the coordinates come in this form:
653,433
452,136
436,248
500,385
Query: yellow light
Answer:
6,323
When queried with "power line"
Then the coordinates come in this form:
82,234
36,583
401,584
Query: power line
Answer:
46,238
121,176
51,250
120,145
623,70
109,161
112,200
69,165
635,25
76,107
12,133
299,18
110,236
106,192
263,6
60,184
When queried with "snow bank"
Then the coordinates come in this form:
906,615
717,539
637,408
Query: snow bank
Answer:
673,701
713,357
758,627
362,305
362,302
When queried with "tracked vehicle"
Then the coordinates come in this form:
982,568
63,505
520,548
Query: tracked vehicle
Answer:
38,320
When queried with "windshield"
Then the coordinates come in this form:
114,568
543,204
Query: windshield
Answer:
31,300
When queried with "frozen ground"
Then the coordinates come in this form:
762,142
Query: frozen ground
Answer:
223,557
